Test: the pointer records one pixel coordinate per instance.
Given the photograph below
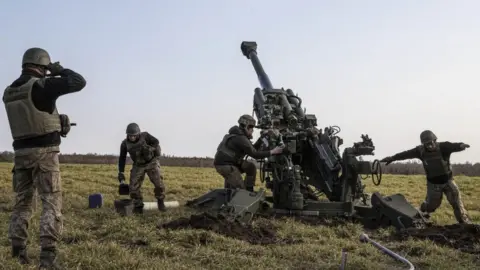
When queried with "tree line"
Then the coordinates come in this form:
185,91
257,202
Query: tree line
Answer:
404,168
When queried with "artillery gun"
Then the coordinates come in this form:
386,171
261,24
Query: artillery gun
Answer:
310,165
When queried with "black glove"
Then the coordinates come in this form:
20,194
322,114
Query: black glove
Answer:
388,160
121,177
464,145
65,123
55,68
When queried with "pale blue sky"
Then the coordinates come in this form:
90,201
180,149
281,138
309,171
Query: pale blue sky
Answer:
386,68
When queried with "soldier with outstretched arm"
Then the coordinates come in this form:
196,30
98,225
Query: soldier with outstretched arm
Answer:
144,150
37,128
229,159
435,157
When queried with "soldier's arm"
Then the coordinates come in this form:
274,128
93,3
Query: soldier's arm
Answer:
154,142
151,140
258,143
449,147
68,82
409,154
246,146
123,157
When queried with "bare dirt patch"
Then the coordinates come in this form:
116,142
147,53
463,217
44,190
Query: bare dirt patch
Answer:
463,237
262,234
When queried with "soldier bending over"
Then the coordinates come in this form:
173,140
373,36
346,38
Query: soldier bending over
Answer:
229,159
435,157
144,150
37,128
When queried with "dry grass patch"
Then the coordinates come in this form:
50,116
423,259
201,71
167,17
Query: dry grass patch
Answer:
100,239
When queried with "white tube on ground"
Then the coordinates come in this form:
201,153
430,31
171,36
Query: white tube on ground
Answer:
153,205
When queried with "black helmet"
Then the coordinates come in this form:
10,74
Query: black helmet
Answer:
36,56
427,136
133,129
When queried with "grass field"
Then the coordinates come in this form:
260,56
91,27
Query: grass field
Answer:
100,239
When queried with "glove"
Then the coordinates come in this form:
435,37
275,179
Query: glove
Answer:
65,123
388,160
55,68
464,145
277,150
121,177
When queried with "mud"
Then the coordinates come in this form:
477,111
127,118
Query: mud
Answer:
463,237
262,234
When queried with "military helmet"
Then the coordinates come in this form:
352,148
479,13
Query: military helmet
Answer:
246,120
133,129
36,56
427,136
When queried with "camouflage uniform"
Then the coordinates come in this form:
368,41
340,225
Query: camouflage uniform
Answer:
145,154
36,128
37,168
229,160
436,163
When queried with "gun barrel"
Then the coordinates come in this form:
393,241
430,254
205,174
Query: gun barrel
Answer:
249,50
258,102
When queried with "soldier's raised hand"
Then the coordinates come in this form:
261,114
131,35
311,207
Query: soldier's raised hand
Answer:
464,145
55,68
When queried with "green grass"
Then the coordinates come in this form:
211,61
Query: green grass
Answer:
100,239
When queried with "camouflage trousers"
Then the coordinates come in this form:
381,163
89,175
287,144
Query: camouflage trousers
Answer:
137,176
232,175
435,195
37,168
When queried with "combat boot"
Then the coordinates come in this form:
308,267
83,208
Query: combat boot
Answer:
249,189
161,205
20,252
48,259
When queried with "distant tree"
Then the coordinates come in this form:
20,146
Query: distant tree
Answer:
404,168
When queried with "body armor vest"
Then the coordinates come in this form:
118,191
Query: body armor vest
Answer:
139,151
227,151
25,120
433,162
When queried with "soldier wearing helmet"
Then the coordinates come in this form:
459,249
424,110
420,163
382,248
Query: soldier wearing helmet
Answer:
435,157
229,159
37,127
144,150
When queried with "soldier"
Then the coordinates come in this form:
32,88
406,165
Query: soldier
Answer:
144,150
37,128
229,159
435,157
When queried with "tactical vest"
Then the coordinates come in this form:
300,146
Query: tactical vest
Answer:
25,120
139,151
433,162
227,151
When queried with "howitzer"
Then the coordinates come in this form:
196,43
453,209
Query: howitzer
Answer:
310,165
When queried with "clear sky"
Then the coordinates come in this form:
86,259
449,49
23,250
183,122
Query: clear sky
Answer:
387,68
